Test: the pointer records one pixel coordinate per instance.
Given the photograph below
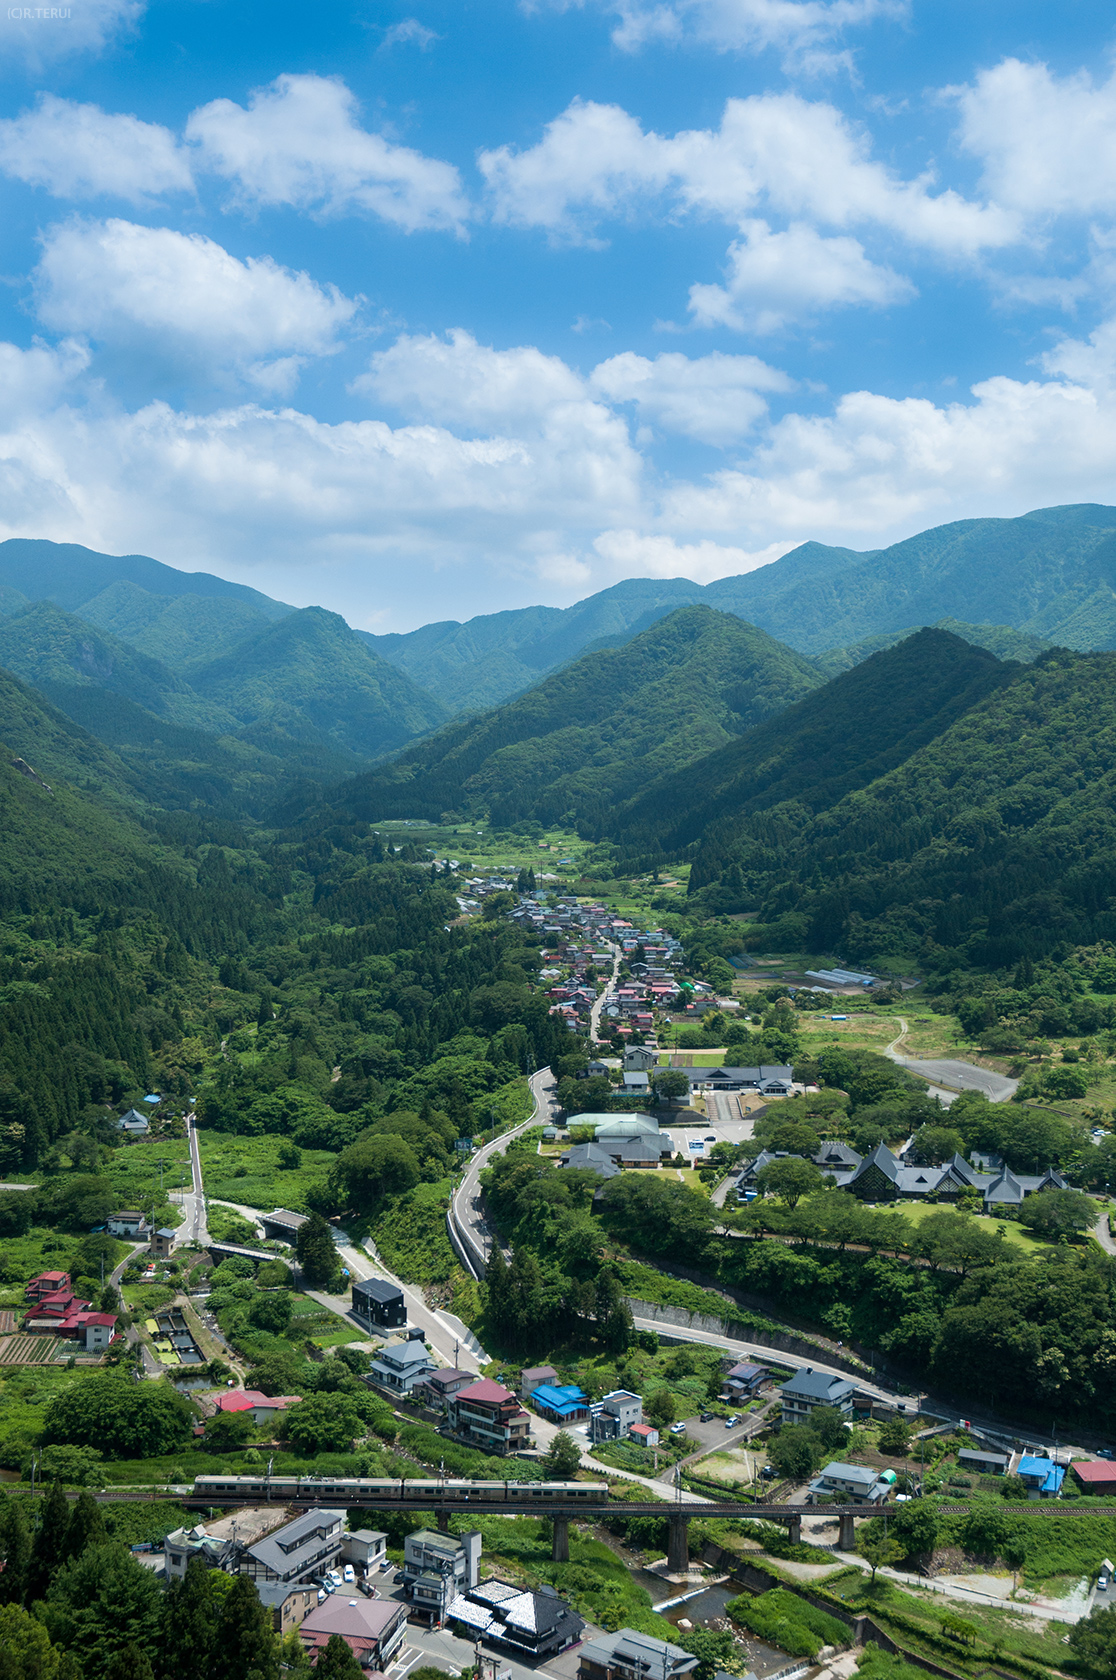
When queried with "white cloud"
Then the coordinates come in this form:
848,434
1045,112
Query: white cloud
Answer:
715,399
80,151
40,35
1047,143
803,30
299,143
456,380
183,297
800,158
777,278
408,31
635,554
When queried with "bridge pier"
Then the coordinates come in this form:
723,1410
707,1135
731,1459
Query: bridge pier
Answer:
794,1530
846,1539
443,1520
560,1550
678,1544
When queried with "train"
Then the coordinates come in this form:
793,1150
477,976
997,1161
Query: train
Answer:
435,1491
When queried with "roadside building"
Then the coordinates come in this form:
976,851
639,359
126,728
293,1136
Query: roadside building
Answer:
399,1367
263,1407
364,1546
488,1416
182,1544
624,1409
565,1405
439,1567
282,1225
858,1484
533,1376
163,1241
535,1625
372,1628
644,1434
306,1547
439,1387
741,1382
984,1463
1043,1477
132,1226
628,1655
287,1604
808,1389
1098,1478
378,1304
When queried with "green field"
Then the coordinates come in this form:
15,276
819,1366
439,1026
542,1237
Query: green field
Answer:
247,1170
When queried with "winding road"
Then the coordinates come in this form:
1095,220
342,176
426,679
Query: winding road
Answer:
947,1078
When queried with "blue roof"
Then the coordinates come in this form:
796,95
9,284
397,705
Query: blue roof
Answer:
561,1400
1044,1471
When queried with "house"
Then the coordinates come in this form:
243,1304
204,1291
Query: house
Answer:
134,1226
564,1405
182,1544
1098,1477
63,1314
96,1330
984,1463
808,1389
288,1604
625,1407
400,1367
163,1241
439,1567
488,1416
533,1624
378,1305
282,1225
628,1655
644,1434
742,1381
589,1157
636,1084
47,1283
533,1376
303,1548
857,1484
738,1078
1042,1476
372,1628
366,1547
263,1407
638,1059
134,1124
438,1388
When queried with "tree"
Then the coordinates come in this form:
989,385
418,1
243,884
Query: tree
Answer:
118,1417
245,1647
48,1550
830,1428
790,1179
317,1253
562,1459
915,1526
878,1546
660,1407
323,1423
612,1313
1059,1213
100,1603
796,1453
336,1661
716,1650
895,1437
188,1625
272,1312
15,1551
372,1170
86,1526
290,1157
670,1083
225,1431
1014,1553
26,1646
935,1144
1093,1643
129,1664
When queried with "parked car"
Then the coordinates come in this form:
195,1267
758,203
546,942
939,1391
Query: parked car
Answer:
1107,1452
348,1573
678,1429
707,1417
731,1422
767,1474
1102,1583
710,1137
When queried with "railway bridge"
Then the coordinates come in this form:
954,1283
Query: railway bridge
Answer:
517,1501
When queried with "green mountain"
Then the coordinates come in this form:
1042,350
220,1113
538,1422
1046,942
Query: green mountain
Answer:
593,733
57,651
472,666
837,739
71,575
53,746
308,680
999,639
181,630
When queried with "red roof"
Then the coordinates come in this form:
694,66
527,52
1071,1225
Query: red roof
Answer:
485,1389
97,1318
244,1399
1097,1475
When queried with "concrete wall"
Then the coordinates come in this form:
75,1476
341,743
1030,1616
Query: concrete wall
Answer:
780,1341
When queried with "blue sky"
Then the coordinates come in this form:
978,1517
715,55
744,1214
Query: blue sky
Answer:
425,309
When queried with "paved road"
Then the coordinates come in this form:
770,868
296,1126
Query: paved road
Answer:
953,1076
470,1234
595,1012
192,1201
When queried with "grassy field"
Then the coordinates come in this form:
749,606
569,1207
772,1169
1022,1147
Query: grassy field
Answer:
247,1170
916,1212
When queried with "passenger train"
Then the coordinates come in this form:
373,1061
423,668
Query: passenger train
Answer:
352,1490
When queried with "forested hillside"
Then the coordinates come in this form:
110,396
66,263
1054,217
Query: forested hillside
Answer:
592,734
